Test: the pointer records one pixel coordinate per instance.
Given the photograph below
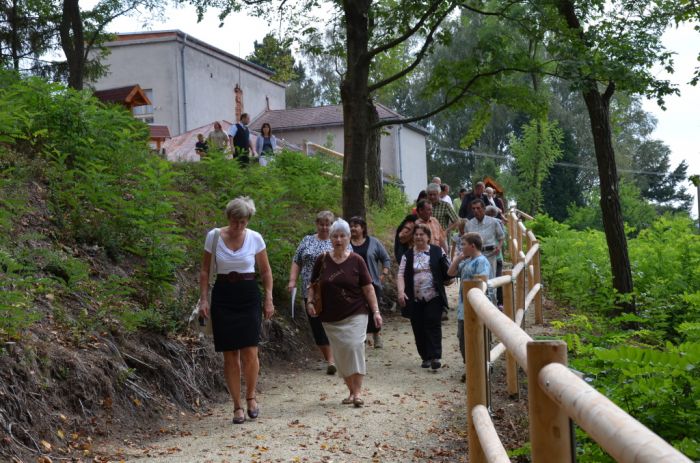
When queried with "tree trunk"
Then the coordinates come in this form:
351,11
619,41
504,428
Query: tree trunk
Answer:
374,158
354,93
14,35
599,112
73,42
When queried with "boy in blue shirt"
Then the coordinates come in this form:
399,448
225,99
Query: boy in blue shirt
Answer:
467,266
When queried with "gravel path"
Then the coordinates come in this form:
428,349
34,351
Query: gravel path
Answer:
410,414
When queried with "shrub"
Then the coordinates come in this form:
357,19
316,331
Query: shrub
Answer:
650,371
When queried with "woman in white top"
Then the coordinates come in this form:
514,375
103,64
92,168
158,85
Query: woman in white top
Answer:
235,300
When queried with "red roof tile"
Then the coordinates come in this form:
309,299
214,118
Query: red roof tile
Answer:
131,95
159,131
320,116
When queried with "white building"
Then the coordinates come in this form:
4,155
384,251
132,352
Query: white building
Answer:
189,82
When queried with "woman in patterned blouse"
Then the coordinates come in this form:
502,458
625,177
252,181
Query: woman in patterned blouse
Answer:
421,292
309,249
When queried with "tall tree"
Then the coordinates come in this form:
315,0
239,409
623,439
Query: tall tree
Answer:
82,34
601,48
370,30
27,32
302,92
276,55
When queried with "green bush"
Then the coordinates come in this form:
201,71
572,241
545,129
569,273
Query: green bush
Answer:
16,308
650,371
637,213
106,192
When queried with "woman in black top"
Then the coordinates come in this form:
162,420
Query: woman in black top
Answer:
421,289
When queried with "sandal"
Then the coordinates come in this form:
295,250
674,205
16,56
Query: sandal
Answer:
348,401
238,419
357,402
253,412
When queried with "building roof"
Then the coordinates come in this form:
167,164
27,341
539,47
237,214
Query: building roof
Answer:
130,95
181,147
159,131
321,116
490,181
178,35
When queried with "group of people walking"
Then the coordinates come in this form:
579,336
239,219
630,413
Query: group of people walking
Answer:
239,142
342,272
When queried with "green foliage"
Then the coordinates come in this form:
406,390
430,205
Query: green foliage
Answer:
292,180
276,55
649,370
16,311
86,184
637,213
383,221
535,153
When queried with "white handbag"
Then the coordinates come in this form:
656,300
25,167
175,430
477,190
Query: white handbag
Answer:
201,324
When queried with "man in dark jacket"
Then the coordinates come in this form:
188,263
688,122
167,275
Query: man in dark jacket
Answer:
465,210
241,147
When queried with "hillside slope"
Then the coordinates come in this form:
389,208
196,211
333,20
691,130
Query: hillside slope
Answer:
100,244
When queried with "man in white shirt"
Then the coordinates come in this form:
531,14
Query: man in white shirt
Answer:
491,232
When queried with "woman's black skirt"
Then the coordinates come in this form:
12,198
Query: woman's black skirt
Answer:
236,315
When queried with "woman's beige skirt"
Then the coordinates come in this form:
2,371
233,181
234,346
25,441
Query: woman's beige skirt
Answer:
347,338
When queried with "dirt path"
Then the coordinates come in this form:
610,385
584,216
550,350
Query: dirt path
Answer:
410,414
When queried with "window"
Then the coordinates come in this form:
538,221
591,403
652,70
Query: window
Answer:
145,112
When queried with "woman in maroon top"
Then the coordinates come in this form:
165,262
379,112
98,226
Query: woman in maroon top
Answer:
348,299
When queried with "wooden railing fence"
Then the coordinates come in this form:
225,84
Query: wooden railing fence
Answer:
556,395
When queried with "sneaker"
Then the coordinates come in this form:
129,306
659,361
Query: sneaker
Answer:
435,364
331,369
425,364
377,339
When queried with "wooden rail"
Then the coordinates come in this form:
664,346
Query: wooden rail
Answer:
556,395
309,147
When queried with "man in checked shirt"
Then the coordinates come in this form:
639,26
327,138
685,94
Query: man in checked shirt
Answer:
442,211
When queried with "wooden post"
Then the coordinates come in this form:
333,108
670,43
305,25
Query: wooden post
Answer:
475,355
511,365
520,292
550,434
519,233
539,318
512,224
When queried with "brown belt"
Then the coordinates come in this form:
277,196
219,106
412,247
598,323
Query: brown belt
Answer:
235,277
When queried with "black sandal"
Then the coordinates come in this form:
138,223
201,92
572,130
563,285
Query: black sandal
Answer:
253,412
238,419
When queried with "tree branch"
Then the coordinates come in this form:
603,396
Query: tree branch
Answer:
419,56
463,91
609,92
432,8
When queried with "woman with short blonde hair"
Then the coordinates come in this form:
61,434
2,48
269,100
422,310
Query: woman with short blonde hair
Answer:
235,307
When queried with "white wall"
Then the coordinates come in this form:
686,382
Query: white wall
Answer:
412,168
209,79
150,66
414,164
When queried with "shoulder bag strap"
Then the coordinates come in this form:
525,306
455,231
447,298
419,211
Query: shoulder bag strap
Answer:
323,264
212,266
